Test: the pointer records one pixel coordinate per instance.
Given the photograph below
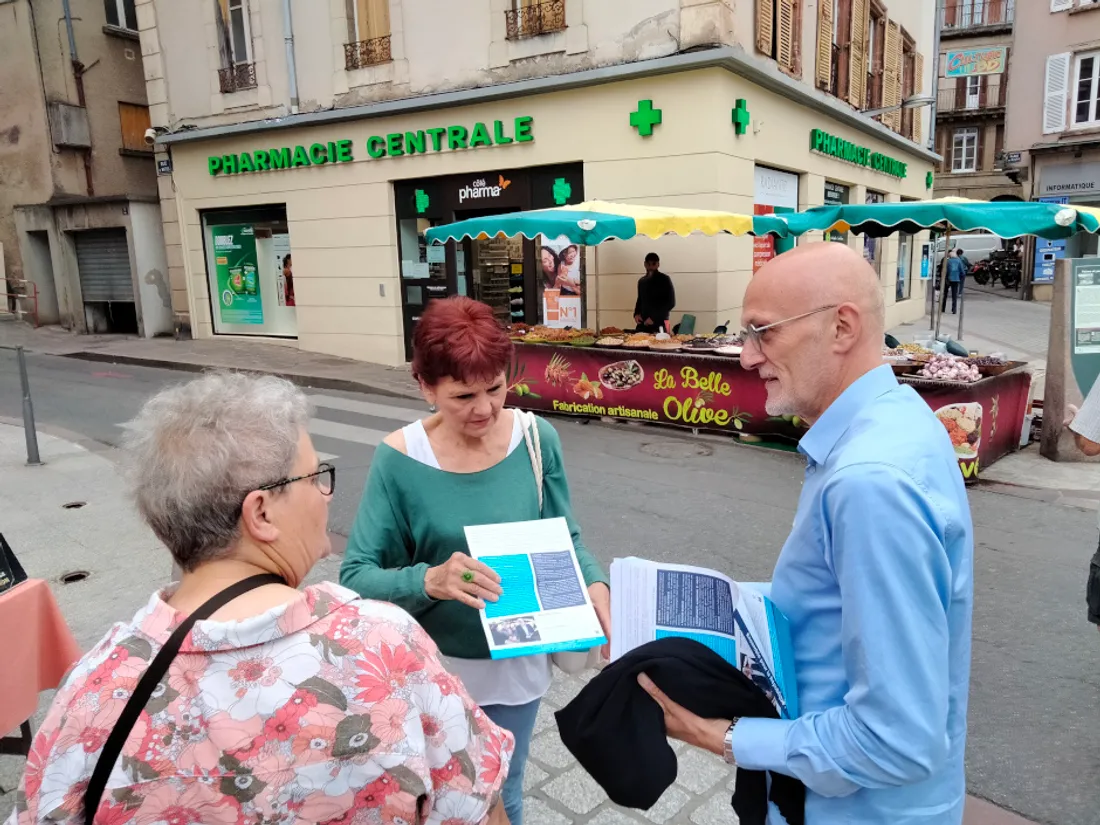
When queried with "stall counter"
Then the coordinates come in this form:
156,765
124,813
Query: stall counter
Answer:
714,393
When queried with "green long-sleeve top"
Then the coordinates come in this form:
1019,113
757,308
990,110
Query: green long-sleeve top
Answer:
412,517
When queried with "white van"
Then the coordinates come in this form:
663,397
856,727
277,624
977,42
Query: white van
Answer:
976,247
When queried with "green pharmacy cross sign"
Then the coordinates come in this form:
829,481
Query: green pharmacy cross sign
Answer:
741,118
645,118
422,201
833,146
562,191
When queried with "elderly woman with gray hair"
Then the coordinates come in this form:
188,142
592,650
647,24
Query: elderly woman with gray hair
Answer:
236,696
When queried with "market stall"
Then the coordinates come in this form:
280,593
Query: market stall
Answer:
699,383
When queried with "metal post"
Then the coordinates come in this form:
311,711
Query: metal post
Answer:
943,280
33,459
938,27
962,305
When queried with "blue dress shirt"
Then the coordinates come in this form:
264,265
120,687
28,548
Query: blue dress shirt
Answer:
876,579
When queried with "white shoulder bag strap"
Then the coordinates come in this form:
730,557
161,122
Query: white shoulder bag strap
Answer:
529,424
574,661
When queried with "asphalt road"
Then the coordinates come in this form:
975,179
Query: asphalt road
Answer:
1035,695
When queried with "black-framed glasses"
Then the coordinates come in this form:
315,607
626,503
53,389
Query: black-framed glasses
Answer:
756,334
324,480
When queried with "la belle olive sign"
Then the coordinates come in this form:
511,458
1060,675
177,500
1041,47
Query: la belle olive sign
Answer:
835,147
394,144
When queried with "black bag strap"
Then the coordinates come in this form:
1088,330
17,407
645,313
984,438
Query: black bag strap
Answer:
148,683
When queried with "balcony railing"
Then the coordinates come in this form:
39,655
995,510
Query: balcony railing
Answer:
544,17
959,16
987,98
237,78
367,53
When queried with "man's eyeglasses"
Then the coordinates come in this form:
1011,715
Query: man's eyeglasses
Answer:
756,334
324,480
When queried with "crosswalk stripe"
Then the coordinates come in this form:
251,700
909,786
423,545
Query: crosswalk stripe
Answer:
332,402
346,432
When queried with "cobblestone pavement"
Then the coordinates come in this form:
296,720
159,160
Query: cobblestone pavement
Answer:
559,792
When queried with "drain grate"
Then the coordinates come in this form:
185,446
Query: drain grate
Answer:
73,505
677,449
74,576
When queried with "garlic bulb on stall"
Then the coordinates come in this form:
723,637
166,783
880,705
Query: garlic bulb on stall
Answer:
949,368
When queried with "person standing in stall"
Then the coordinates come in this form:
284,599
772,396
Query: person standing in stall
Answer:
656,297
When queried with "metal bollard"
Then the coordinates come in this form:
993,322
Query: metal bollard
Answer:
29,431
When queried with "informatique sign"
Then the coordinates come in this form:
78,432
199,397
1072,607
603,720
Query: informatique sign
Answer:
238,276
841,149
393,144
973,62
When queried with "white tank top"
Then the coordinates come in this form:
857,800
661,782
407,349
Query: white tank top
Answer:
515,681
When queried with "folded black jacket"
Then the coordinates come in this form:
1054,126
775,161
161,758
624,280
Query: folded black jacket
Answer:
617,732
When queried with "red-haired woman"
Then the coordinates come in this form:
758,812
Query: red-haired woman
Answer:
464,464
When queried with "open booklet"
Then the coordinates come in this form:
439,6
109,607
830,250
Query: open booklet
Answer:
652,601
545,607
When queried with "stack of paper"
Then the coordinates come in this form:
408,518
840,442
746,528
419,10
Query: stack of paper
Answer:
652,601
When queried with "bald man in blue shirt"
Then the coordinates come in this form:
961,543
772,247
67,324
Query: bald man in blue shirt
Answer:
876,577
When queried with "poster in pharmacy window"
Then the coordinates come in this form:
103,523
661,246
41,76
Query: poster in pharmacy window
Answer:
237,274
284,272
560,282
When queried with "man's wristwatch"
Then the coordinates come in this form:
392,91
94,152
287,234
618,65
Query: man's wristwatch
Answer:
727,743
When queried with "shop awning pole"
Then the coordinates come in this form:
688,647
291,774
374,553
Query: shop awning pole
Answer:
962,305
943,280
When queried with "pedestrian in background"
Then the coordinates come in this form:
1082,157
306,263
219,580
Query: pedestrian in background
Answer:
1085,426
281,704
876,577
656,297
465,464
957,267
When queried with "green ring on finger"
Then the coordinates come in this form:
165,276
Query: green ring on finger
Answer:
468,576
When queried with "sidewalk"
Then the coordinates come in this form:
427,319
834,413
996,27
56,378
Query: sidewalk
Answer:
105,538
303,368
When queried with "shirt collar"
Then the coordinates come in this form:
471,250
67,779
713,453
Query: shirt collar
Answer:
157,620
823,436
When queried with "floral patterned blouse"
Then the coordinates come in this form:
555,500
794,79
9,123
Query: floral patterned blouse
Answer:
329,709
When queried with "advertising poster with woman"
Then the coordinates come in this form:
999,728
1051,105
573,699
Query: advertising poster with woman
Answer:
560,281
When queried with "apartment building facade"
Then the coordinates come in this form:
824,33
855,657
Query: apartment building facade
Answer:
976,56
80,224
1053,122
307,161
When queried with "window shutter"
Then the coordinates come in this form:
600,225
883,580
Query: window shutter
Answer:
825,23
1061,5
374,19
857,73
979,147
918,87
1056,92
891,83
134,120
784,34
951,13
765,25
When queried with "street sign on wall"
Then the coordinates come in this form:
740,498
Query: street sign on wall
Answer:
973,62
